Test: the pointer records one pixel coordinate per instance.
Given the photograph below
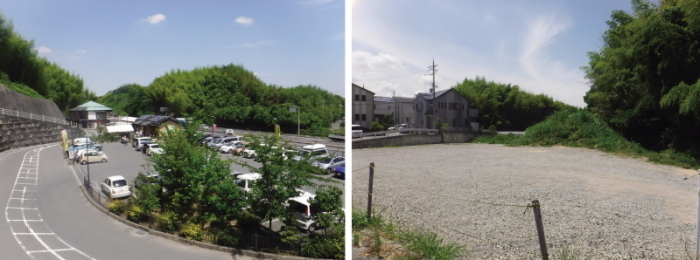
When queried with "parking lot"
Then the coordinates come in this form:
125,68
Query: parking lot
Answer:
126,161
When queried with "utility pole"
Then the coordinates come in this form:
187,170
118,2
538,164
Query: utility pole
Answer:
432,104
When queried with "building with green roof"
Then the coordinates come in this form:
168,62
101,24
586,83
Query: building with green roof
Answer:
90,114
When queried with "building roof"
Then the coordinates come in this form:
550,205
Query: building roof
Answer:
363,88
91,106
429,96
404,99
153,120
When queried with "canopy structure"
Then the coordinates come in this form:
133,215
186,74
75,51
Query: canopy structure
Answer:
119,128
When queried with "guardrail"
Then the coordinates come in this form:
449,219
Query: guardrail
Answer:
402,131
8,112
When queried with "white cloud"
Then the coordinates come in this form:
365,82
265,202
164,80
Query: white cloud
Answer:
245,20
43,49
253,44
81,51
156,18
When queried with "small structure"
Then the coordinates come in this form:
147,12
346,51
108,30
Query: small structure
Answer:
90,115
404,111
362,106
151,125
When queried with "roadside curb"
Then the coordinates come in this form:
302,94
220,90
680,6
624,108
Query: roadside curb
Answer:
236,251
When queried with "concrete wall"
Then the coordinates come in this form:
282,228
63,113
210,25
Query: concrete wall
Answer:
21,132
414,139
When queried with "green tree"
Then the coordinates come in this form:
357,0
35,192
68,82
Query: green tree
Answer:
644,77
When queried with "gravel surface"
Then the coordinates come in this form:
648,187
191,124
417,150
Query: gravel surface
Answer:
602,205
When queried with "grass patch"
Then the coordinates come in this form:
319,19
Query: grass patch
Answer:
382,239
579,128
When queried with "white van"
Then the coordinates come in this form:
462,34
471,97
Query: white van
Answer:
312,152
357,131
302,210
82,141
245,180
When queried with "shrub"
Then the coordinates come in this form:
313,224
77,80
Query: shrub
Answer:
427,245
135,213
325,245
191,231
166,221
116,207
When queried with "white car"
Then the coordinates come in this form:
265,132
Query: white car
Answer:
116,187
228,148
302,210
312,152
250,153
153,148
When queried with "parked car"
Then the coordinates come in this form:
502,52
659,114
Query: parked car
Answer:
80,152
241,147
144,178
216,143
245,180
228,148
312,152
203,127
302,210
153,148
92,156
82,140
143,144
339,171
250,153
116,187
328,163
138,141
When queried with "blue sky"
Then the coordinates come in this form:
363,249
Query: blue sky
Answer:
538,45
111,43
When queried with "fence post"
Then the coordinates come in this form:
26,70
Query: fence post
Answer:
369,194
540,229
256,242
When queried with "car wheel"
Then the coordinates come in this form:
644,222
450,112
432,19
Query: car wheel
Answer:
312,227
104,160
83,162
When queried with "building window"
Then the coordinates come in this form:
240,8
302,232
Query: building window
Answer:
357,97
364,98
389,107
364,117
357,117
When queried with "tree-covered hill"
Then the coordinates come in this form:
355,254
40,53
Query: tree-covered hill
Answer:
505,106
229,96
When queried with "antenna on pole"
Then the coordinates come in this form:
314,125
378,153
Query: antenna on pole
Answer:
432,104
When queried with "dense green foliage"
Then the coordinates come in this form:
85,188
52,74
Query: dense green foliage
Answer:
20,65
127,100
579,128
644,80
505,106
230,96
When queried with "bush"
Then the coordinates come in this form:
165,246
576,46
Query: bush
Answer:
116,207
135,213
167,221
191,231
225,237
427,245
325,245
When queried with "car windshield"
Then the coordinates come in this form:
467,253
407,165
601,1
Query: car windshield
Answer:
303,153
119,183
216,141
325,160
240,183
154,146
239,145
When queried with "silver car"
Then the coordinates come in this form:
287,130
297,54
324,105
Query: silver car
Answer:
116,187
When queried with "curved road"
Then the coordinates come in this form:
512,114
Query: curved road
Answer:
47,216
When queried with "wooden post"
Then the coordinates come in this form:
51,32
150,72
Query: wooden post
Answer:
540,229
369,194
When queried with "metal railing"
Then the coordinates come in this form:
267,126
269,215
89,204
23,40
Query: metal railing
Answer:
9,112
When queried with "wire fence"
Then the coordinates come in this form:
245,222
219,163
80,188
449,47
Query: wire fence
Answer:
534,206
55,120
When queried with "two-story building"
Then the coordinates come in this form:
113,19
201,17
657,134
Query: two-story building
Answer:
90,115
448,105
362,106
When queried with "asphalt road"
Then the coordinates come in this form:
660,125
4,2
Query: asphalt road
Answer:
47,216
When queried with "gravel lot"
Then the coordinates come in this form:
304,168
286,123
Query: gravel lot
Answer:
603,205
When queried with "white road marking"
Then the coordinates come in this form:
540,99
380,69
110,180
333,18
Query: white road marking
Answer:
30,166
